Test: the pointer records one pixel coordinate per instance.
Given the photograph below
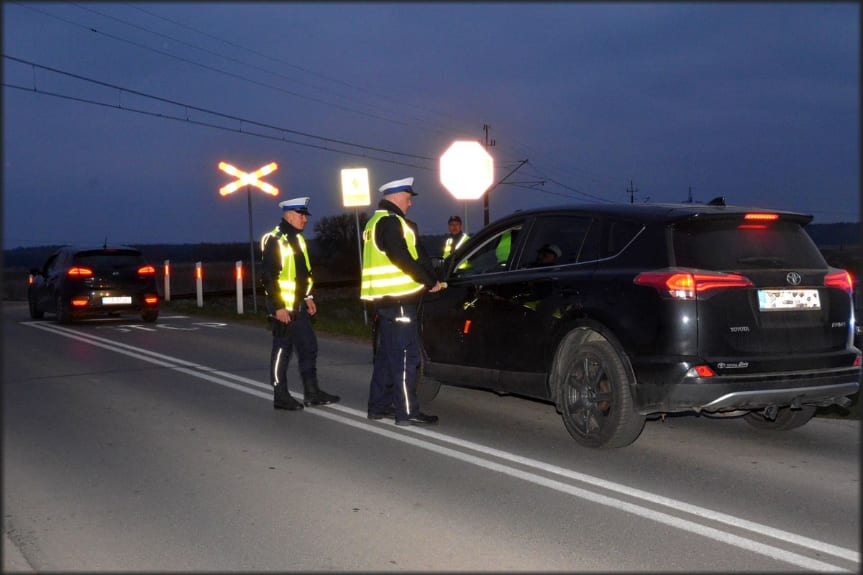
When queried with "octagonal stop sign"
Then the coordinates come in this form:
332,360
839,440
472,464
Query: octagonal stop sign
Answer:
466,170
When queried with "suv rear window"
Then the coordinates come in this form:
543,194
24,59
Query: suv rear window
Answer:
109,260
726,245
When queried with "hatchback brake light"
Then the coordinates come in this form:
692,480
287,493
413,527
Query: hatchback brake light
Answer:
841,279
760,217
146,271
79,272
686,285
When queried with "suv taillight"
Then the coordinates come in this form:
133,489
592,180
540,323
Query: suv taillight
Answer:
841,279
79,272
687,284
146,271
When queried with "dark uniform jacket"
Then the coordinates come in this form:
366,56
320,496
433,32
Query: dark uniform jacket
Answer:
389,236
272,267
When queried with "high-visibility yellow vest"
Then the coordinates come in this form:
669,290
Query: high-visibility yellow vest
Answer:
288,276
380,276
448,247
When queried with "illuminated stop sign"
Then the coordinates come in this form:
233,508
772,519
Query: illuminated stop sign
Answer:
466,170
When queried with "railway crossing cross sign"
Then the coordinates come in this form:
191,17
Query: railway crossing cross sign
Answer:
248,179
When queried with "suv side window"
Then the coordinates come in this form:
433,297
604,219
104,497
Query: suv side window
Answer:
558,240
620,233
494,255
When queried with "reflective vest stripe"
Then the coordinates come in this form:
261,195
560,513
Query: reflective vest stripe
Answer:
380,277
448,248
287,279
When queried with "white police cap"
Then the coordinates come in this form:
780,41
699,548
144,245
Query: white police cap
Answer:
404,185
300,205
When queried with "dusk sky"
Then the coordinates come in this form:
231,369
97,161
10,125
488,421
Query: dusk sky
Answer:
115,116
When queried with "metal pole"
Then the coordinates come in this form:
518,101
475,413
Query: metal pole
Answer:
360,251
252,253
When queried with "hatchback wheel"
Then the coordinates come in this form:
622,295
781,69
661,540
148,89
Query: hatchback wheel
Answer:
64,314
786,418
150,315
35,312
595,400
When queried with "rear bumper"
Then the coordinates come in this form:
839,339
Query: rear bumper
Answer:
753,391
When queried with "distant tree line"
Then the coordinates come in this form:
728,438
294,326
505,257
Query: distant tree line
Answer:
333,246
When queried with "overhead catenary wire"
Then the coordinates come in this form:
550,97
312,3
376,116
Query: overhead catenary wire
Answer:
195,108
212,68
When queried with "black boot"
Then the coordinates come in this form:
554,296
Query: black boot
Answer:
313,395
290,404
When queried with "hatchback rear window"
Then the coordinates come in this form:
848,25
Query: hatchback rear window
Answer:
726,245
109,260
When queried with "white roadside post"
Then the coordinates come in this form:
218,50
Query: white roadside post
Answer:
355,194
167,280
199,283
239,265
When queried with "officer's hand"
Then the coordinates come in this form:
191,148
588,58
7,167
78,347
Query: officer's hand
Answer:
283,316
311,306
436,287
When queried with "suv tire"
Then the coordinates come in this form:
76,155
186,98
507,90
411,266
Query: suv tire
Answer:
786,418
595,398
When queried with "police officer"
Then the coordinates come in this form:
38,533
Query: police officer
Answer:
456,236
287,276
395,271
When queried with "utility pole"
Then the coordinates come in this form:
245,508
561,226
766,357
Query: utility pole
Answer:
488,144
631,191
689,201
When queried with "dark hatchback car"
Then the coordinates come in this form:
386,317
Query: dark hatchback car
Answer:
619,312
78,282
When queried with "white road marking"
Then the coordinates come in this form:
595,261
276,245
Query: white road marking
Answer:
387,429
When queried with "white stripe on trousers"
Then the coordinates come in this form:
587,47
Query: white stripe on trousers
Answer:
276,368
405,382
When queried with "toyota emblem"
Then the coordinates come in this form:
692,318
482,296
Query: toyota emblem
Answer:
793,278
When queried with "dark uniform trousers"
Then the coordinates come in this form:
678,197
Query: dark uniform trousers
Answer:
298,334
396,362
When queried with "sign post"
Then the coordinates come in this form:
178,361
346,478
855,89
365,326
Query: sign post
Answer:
355,194
250,179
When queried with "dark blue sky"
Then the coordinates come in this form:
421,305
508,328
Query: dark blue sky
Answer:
759,103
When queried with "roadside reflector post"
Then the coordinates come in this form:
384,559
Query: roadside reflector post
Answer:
239,266
167,280
199,283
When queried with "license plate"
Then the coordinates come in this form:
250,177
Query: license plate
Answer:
788,299
117,300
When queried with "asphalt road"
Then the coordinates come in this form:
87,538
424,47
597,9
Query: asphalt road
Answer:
133,447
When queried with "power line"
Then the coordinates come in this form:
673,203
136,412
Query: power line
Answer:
188,107
290,64
217,70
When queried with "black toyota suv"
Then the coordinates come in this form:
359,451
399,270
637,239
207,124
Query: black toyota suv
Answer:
619,312
84,281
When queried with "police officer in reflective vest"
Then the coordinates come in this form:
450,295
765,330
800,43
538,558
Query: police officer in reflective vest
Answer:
395,271
287,276
456,236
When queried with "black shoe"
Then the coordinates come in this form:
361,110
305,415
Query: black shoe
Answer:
419,419
388,412
289,404
320,397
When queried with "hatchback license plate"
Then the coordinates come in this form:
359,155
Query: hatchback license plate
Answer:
788,299
117,300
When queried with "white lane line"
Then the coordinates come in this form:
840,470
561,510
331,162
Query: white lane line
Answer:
211,374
